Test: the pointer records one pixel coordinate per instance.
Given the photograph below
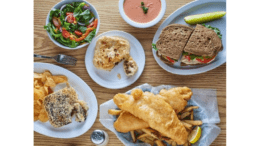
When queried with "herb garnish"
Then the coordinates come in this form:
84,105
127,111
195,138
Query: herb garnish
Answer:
215,29
192,56
154,47
145,9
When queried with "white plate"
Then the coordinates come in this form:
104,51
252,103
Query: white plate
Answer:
196,7
109,79
84,92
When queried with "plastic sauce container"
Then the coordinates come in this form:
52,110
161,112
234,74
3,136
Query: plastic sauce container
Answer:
99,137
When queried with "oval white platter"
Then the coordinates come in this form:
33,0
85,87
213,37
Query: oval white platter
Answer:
192,8
109,79
84,92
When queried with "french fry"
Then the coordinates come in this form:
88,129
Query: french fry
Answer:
179,116
198,122
143,135
139,131
114,112
188,109
159,143
150,132
146,140
184,115
133,136
191,115
171,142
186,125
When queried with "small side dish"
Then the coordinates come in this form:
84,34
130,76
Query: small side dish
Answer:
72,25
142,11
156,119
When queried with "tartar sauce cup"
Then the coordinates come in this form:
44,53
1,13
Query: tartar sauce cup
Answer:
142,25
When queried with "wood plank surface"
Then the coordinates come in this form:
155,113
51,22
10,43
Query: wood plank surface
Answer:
152,74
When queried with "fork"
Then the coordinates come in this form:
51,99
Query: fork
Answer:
63,59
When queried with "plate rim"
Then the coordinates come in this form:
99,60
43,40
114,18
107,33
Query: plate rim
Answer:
117,87
95,104
172,16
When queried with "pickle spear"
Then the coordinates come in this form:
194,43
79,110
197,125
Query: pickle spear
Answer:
202,18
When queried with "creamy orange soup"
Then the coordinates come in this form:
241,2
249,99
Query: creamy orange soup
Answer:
135,12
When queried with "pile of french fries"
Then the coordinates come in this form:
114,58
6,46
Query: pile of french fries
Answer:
152,136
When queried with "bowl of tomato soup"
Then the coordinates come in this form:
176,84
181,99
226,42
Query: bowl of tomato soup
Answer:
142,13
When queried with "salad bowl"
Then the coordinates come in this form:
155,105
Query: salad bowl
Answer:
59,6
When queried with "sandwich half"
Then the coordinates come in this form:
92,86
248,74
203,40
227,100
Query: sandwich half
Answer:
172,41
202,47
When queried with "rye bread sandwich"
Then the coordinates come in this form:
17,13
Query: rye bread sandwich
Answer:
202,46
171,42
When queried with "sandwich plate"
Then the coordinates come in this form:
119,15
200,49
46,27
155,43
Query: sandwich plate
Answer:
195,7
110,79
84,92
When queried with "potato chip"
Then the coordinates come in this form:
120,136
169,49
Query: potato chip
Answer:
46,90
43,82
43,117
50,82
59,79
38,94
36,118
45,74
37,75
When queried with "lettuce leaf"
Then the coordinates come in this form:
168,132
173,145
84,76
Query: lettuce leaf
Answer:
90,36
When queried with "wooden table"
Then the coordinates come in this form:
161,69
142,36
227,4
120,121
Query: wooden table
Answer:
152,74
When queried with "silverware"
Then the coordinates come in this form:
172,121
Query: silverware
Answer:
63,59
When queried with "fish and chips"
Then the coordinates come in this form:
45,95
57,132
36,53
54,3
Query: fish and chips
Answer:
155,119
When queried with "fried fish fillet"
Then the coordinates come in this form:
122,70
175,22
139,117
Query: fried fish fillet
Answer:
127,122
155,111
176,97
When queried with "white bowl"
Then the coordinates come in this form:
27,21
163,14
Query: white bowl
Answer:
58,6
141,25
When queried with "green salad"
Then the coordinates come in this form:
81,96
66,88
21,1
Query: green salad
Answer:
72,25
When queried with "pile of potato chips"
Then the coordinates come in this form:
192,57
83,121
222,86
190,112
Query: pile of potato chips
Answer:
43,84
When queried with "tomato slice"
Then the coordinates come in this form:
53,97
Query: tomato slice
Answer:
65,34
78,33
56,22
170,59
187,57
205,60
70,19
90,25
69,13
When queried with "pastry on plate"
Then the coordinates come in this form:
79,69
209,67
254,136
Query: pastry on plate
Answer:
110,51
130,66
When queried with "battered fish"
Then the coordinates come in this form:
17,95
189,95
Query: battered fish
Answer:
155,111
127,122
176,97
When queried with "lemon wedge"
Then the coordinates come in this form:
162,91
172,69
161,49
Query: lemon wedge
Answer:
202,18
195,135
